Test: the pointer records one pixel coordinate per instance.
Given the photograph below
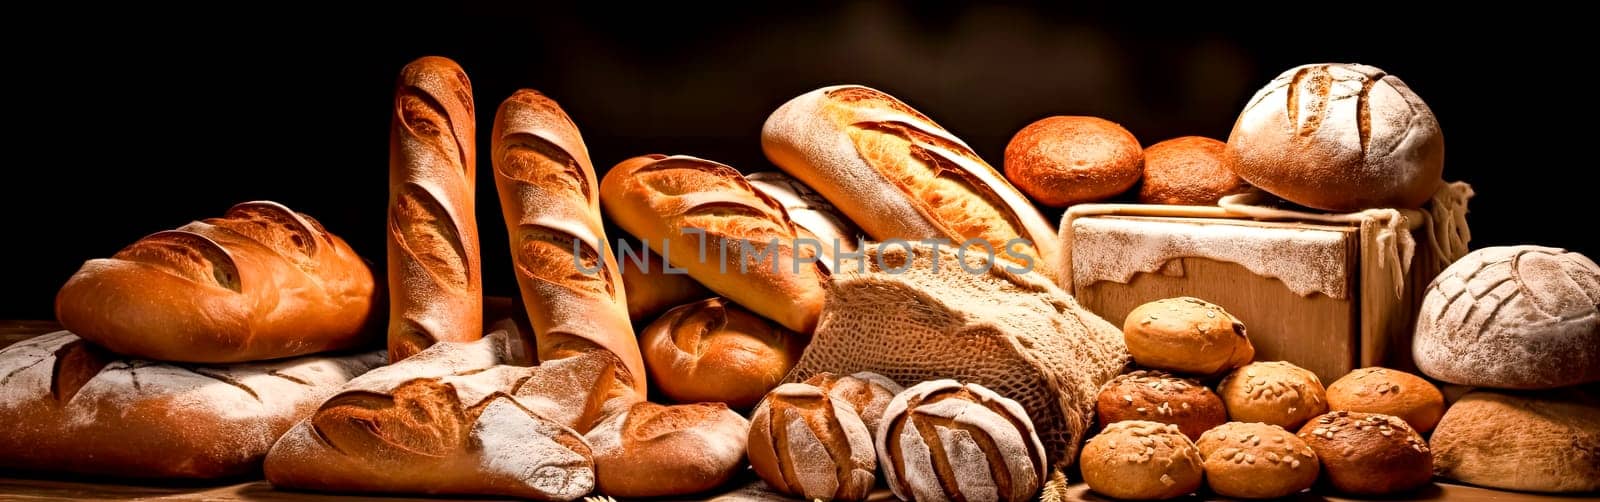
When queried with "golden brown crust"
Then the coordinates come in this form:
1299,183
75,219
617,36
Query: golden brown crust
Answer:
1276,393
715,350
261,282
1256,461
1066,160
805,441
435,283
653,291
1141,460
1187,171
941,440
1534,441
652,450
1187,335
1159,397
1390,392
1369,453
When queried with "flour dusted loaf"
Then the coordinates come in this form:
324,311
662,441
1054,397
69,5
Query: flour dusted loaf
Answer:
814,439
1014,333
71,406
1514,317
942,440
1141,460
1542,442
1256,461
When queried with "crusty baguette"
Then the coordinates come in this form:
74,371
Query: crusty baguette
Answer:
670,201
435,283
898,175
261,282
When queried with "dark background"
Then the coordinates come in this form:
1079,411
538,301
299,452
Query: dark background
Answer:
129,122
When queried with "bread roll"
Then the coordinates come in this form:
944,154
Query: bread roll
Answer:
868,393
1514,317
1256,461
1390,392
1187,335
652,290
71,406
1187,171
806,443
704,217
435,279
1369,453
1276,393
1158,396
941,440
900,176
652,450
1061,161
1541,442
1141,460
811,213
715,350
261,282
1339,137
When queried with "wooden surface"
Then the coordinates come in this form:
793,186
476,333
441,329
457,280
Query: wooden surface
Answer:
27,486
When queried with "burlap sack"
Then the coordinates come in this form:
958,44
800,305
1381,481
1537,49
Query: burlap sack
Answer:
892,312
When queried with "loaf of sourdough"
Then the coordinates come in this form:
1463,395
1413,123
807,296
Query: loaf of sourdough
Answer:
435,279
71,406
1544,442
261,282
897,314
899,175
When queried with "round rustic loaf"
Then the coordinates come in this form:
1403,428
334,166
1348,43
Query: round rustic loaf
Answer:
1515,317
1186,335
1339,137
1187,171
1157,396
1369,453
1544,442
868,393
714,350
1276,393
1141,460
1390,392
1256,461
815,439
941,435
1061,161
652,450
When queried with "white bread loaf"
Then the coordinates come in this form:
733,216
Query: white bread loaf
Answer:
1543,442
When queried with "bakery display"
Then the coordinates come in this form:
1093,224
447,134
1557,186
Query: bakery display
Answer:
1390,392
1369,453
1513,317
651,450
435,278
1339,137
1539,442
1158,396
1276,392
812,214
1066,160
1188,171
899,175
943,440
1141,460
652,290
70,406
704,217
1256,461
261,282
1186,335
815,439
715,350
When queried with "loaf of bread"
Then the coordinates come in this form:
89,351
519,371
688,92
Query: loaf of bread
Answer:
261,282
1390,392
1190,170
942,440
652,290
1257,461
1369,453
900,176
814,440
1513,317
71,406
1275,392
704,217
1187,335
1339,137
650,450
812,214
1541,442
435,279
1141,460
715,350
1061,160
1157,396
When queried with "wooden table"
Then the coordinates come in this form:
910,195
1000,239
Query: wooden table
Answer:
19,486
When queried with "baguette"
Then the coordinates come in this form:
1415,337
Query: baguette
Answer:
435,282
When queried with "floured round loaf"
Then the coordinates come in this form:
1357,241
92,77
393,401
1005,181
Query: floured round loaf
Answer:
1514,317
1543,442
896,314
942,440
813,440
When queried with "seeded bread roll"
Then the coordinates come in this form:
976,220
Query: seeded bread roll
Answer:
1158,396
1187,335
941,440
1276,393
1141,460
1390,392
1369,453
1061,161
1187,171
812,439
1256,461
715,350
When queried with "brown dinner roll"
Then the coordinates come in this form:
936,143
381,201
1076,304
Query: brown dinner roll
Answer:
1141,460
652,450
1187,171
714,350
1256,461
941,440
1390,392
1369,453
1554,437
1158,396
811,439
1276,393
1340,137
1186,335
1061,161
